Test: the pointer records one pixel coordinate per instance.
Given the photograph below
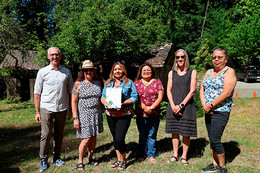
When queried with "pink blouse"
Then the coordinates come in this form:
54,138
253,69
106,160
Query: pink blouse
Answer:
148,95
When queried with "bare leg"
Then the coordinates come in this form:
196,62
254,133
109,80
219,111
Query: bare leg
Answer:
120,156
185,146
91,147
221,159
175,144
83,148
214,158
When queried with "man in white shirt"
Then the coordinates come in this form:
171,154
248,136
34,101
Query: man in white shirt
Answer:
52,91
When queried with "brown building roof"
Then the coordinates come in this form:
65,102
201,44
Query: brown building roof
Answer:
15,59
161,53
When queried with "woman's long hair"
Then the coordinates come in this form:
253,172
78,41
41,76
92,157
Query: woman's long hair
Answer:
139,73
111,75
187,63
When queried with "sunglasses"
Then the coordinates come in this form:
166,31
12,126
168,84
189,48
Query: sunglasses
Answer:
88,69
178,57
219,57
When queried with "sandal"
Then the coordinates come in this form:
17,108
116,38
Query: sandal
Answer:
122,165
184,161
115,164
172,159
79,166
93,162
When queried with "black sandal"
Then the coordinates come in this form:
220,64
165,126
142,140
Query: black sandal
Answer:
122,165
184,161
79,166
173,159
115,164
93,162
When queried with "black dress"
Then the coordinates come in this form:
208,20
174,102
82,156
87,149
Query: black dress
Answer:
186,124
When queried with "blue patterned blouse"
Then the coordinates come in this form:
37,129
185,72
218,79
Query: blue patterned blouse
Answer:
213,88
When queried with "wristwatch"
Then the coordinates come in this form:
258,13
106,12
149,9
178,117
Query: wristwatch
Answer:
151,108
182,105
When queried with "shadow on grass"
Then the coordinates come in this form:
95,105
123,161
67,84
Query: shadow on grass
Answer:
17,145
231,150
197,147
21,144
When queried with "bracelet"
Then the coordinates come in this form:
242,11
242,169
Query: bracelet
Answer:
144,107
75,118
211,105
180,106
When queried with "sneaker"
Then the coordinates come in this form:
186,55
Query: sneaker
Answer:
58,162
222,169
44,165
210,168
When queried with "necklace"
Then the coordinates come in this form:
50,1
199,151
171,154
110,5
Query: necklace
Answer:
146,83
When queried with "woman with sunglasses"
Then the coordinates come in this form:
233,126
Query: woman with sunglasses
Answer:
216,93
86,109
181,113
119,119
150,92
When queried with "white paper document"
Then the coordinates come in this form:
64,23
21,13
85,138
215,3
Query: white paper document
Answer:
113,97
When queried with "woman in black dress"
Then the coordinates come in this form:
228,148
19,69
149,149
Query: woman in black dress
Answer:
181,113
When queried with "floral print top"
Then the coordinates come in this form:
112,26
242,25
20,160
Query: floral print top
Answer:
148,95
213,88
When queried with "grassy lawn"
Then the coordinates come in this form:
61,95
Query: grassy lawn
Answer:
20,135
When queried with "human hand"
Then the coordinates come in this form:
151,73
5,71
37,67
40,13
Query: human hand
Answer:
176,109
148,110
38,118
207,108
76,124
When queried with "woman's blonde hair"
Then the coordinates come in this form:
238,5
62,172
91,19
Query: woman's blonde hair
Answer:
111,75
187,63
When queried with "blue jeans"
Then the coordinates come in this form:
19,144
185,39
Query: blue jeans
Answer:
147,128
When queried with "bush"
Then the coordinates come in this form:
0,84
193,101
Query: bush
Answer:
163,109
14,100
196,97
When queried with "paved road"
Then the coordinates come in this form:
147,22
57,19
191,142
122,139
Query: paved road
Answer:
246,90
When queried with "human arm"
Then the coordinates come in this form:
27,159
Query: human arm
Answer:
202,92
70,85
133,98
175,108
37,98
193,84
74,102
230,81
149,109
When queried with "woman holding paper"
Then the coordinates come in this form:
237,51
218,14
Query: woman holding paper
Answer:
119,116
150,92
86,109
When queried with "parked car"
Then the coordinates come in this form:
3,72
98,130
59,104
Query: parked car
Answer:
249,73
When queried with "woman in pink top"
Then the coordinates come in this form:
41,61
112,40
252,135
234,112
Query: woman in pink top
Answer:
150,91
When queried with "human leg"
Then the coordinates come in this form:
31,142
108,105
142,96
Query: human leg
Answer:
122,125
46,132
153,125
175,144
59,124
219,123
91,150
185,146
143,135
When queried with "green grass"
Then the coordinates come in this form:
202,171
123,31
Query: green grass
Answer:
20,135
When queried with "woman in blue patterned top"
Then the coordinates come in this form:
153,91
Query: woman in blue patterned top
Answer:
216,98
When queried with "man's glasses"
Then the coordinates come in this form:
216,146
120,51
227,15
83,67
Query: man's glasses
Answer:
87,69
52,55
178,57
